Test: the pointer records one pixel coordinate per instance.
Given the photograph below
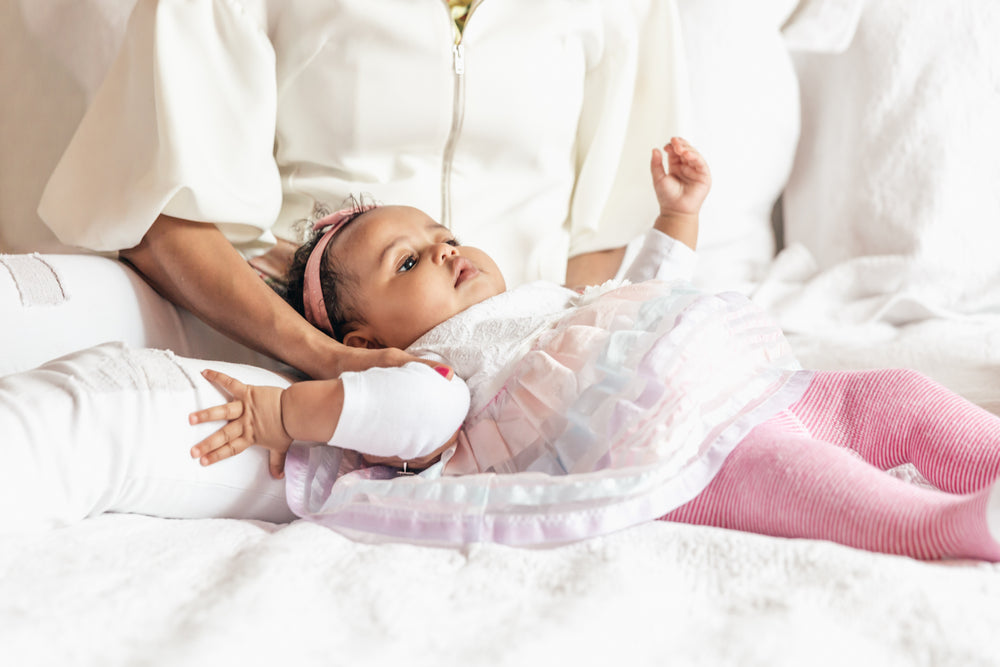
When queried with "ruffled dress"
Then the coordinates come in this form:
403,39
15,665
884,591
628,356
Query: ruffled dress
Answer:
589,413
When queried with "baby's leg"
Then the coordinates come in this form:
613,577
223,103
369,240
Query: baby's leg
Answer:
783,484
892,417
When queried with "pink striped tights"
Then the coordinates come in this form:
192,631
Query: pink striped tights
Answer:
815,470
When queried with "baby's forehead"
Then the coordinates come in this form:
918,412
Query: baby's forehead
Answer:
393,221
380,227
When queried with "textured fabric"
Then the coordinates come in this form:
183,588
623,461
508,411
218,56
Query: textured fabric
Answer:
483,342
797,475
530,138
895,416
36,282
635,375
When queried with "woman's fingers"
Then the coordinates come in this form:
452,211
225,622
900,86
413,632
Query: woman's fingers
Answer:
361,359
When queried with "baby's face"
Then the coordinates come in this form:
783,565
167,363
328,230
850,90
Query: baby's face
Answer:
412,274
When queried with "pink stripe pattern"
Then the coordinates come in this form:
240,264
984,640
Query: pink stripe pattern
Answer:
816,470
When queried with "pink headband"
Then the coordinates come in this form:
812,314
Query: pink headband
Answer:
313,302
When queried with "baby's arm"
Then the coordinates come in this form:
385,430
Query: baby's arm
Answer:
667,252
393,414
681,187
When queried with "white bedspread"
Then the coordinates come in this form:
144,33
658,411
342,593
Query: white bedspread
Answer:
131,590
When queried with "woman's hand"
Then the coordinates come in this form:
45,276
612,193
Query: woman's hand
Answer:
360,359
254,418
194,266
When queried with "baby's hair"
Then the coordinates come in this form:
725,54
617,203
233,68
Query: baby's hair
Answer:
338,285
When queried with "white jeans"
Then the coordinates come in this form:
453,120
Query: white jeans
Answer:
104,427
51,305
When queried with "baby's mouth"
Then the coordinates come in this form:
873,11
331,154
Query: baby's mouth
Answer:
464,270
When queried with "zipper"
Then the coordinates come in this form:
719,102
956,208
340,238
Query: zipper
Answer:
457,113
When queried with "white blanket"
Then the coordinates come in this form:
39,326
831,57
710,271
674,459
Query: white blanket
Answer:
131,590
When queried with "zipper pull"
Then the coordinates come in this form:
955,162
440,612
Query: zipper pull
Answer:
458,51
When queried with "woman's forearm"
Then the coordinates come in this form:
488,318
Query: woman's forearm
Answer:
193,265
593,268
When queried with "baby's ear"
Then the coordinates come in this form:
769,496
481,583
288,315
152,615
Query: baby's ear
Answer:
360,338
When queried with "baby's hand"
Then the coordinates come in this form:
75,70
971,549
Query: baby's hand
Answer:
254,417
682,186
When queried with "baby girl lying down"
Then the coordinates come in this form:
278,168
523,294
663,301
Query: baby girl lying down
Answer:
552,381
542,414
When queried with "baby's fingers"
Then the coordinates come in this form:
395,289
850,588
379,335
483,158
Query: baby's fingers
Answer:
656,166
231,385
228,450
227,441
276,463
685,153
228,412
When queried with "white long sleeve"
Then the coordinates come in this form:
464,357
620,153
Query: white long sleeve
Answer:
407,412
662,257
184,124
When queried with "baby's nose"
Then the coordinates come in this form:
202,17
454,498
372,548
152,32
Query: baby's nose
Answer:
445,250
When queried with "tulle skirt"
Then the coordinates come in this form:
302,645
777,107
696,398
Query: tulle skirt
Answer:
621,411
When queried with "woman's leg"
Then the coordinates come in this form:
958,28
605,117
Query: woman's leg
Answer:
106,430
892,417
72,302
780,483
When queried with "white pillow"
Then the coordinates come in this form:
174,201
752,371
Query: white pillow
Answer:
745,121
898,162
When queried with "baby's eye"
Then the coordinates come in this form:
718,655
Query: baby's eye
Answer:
408,263
453,242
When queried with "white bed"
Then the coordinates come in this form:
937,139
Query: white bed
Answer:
891,221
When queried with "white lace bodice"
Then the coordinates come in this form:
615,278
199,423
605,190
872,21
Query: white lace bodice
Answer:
483,342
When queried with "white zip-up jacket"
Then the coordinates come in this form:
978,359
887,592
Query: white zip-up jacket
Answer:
529,136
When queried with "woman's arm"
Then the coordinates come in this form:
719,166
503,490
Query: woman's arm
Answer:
593,268
193,265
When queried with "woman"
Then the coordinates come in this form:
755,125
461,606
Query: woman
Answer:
255,116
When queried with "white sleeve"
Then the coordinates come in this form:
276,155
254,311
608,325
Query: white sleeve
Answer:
635,99
662,257
183,124
406,412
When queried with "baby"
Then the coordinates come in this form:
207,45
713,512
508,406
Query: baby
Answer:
391,274
650,372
